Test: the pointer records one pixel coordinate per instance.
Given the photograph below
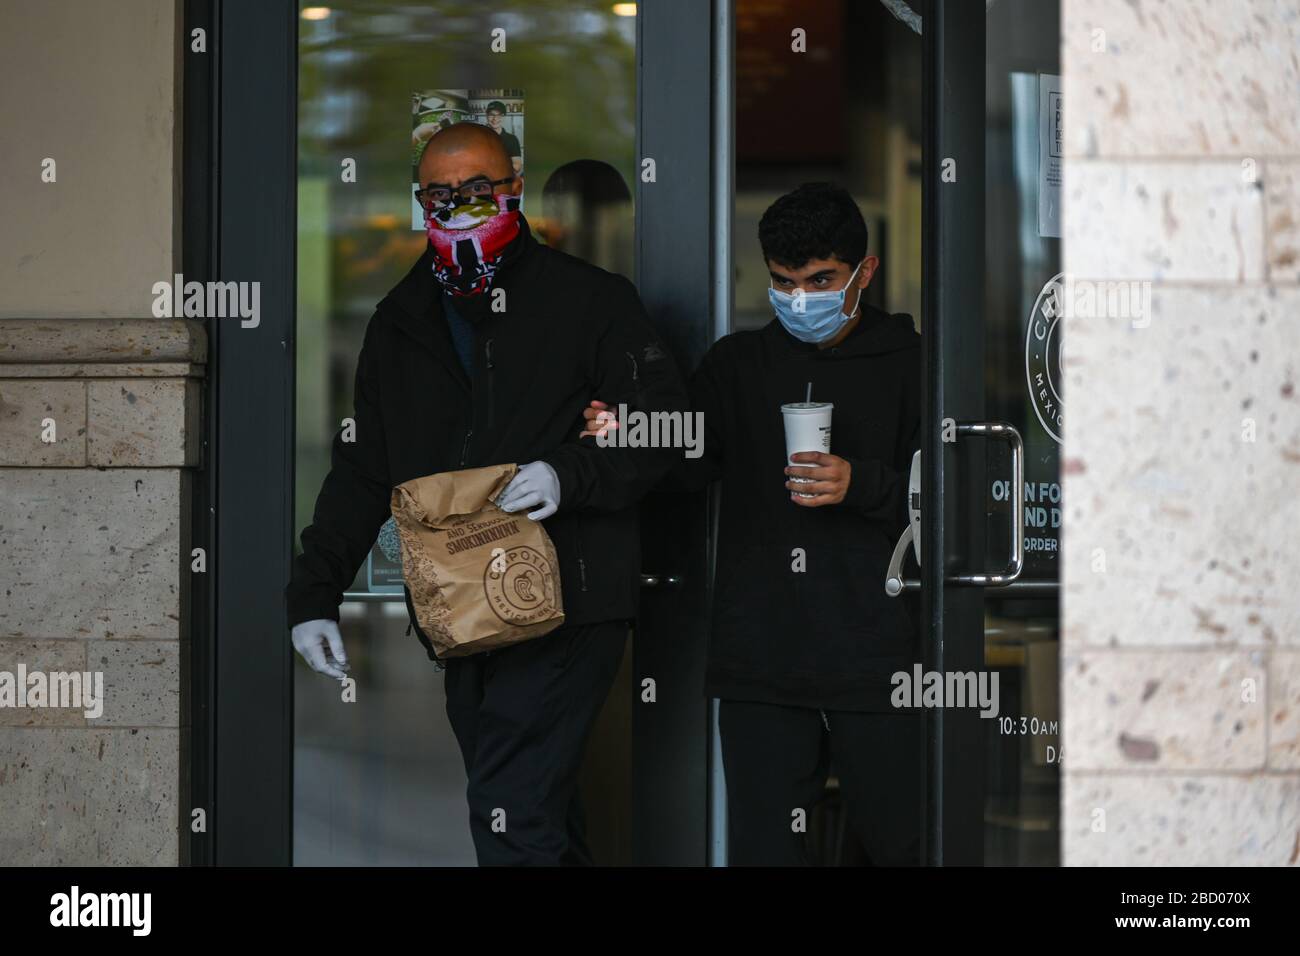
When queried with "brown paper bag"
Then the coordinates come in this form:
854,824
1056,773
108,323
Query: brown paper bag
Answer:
480,578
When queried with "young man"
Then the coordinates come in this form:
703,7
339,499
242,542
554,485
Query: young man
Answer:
804,640
487,352
496,116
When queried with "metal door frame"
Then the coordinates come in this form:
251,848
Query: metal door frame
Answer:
241,746
240,224
683,254
952,331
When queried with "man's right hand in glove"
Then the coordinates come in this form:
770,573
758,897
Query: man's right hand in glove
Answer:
312,639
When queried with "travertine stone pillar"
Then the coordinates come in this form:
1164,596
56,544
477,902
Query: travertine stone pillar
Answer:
94,570
1181,637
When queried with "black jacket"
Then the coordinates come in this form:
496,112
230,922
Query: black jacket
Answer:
569,332
828,636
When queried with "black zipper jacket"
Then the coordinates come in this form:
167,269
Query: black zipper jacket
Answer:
568,333
827,636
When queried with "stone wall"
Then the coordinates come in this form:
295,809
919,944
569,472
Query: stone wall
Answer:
1181,633
94,549
94,532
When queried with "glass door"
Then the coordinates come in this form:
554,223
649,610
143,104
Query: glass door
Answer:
1022,300
378,779
989,496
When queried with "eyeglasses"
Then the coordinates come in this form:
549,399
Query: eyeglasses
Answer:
433,196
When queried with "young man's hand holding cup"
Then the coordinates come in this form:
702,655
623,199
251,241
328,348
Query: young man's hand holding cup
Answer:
815,476
826,478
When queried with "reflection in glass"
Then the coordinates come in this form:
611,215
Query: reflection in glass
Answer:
587,212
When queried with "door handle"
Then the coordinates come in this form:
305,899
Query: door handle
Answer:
896,584
1002,431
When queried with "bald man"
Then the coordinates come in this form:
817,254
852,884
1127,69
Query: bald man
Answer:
486,353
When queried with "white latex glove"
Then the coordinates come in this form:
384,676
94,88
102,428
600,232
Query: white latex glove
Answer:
534,484
311,638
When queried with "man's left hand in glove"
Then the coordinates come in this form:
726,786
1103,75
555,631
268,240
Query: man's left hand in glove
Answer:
534,484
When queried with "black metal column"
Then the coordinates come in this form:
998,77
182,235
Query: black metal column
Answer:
953,334
674,242
257,216
199,110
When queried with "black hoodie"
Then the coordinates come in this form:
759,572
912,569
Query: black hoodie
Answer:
569,332
827,636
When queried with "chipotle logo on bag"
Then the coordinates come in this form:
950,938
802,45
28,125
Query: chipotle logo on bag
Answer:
520,585
480,578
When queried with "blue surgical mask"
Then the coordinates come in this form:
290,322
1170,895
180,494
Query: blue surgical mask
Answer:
813,317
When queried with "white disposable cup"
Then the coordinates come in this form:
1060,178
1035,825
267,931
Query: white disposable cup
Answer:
807,428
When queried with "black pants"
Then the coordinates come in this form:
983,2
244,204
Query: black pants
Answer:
777,759
521,715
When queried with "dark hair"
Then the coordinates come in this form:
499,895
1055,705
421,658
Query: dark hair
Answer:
496,105
815,221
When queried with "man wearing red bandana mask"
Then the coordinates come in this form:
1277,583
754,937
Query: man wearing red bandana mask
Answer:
487,353
470,238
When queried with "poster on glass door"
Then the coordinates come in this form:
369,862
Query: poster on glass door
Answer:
434,110
1051,136
384,563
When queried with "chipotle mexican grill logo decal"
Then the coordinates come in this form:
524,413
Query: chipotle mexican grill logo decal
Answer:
1043,357
520,585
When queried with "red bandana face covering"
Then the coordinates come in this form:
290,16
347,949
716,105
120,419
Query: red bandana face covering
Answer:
469,240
